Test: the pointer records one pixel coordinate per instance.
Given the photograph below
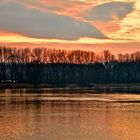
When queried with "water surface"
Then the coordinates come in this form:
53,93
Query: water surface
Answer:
48,115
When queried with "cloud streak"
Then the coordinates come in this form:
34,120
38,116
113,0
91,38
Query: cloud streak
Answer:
109,11
35,23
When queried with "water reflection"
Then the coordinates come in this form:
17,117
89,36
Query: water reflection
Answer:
32,116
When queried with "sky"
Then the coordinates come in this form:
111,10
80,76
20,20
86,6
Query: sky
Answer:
71,24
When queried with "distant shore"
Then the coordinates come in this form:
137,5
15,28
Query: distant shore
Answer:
132,87
15,85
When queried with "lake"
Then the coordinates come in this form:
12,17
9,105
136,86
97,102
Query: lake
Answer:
46,114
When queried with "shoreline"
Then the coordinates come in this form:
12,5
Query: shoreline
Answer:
94,88
15,85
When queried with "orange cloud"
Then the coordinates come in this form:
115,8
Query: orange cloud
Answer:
4,33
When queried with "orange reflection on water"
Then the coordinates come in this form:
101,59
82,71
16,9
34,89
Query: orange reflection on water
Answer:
71,120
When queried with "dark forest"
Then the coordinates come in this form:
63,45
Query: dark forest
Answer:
61,67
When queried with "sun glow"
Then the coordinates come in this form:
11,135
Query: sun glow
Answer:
84,40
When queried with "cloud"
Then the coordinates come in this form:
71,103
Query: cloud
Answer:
35,23
40,4
109,11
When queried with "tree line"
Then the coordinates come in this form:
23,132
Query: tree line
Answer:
60,67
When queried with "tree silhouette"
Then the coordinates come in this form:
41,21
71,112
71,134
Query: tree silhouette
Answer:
60,67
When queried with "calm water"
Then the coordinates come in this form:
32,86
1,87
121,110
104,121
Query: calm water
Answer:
45,115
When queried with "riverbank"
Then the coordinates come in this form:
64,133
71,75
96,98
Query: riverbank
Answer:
15,85
94,88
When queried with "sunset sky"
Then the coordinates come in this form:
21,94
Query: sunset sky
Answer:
71,24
